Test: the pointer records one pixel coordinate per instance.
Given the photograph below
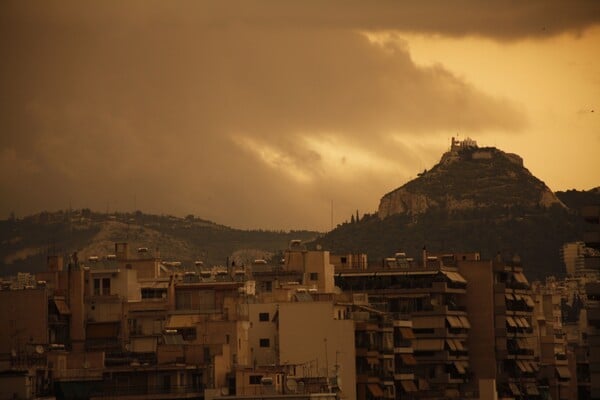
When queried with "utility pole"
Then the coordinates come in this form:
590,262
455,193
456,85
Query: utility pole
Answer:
326,363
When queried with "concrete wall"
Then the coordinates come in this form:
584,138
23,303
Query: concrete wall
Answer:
24,319
262,330
16,386
480,306
311,339
312,262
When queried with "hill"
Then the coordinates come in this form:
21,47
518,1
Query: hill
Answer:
576,199
25,243
469,177
474,199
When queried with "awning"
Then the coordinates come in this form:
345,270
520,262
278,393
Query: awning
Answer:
534,366
429,345
375,390
519,277
453,321
465,322
173,339
154,284
451,344
511,322
519,322
518,297
454,276
303,297
563,372
509,296
61,305
408,359
407,295
182,321
523,344
532,389
406,333
459,345
524,366
461,366
523,322
514,389
529,301
102,330
372,360
409,386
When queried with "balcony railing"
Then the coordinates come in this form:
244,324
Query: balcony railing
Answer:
110,391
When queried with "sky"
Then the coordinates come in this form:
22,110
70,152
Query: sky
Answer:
284,114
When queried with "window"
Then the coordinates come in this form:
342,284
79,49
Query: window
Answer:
314,276
101,286
183,301
263,317
105,286
148,293
188,333
255,379
134,328
265,342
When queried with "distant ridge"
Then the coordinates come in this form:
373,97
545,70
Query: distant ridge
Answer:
25,242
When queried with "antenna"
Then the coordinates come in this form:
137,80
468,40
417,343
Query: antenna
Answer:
331,214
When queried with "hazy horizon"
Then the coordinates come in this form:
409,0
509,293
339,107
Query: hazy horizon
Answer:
259,114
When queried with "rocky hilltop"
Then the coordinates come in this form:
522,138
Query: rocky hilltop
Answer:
469,177
475,199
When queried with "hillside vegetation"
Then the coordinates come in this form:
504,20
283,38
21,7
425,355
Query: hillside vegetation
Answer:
474,199
25,243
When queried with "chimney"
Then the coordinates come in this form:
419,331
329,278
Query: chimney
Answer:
171,293
54,263
122,250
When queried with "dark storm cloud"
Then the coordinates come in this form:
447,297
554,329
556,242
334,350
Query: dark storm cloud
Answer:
195,108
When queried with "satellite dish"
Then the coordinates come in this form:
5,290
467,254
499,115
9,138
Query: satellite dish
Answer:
291,385
39,349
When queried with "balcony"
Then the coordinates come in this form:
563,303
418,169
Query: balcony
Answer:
78,374
404,376
142,392
148,305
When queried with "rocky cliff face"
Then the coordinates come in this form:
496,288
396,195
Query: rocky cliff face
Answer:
469,177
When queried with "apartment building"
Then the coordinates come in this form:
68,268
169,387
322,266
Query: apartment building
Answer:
591,215
430,294
501,306
557,361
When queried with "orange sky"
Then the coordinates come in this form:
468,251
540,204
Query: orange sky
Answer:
259,114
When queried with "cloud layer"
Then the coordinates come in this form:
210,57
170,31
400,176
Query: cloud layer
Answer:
254,118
